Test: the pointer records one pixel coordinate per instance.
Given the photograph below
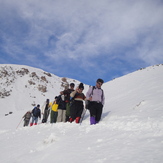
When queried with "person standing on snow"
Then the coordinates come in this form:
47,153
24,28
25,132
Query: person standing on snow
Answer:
67,99
36,112
96,97
45,111
54,110
27,117
61,108
77,106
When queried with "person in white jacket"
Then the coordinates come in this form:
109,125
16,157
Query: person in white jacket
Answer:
97,99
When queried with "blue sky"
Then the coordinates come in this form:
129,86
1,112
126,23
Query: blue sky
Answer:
82,39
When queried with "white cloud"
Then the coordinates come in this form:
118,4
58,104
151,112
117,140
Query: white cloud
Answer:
68,30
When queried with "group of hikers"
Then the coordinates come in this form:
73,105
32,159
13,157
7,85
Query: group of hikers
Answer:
68,106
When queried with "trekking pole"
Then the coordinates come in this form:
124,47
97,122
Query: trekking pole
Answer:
83,116
19,123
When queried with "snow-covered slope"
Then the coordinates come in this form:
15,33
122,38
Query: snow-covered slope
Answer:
22,87
138,94
131,129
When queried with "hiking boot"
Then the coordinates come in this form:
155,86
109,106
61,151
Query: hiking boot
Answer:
77,119
92,121
70,120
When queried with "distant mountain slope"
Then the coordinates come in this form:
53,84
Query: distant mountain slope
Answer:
22,86
138,94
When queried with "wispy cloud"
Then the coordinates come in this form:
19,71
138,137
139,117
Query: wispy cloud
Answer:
99,36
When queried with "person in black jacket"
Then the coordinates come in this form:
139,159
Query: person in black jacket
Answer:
46,110
61,108
77,106
67,99
36,112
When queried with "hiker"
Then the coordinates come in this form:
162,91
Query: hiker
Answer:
67,99
77,106
54,110
96,97
61,108
46,110
36,112
27,118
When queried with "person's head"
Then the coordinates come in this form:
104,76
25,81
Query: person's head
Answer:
38,106
81,87
55,98
61,93
99,83
47,100
72,85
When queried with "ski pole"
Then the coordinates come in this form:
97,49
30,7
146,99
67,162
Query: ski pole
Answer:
83,116
19,123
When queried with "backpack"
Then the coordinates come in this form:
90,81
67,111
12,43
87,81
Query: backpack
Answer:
28,115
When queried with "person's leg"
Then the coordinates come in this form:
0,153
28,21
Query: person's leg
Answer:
92,107
59,118
55,116
67,111
63,115
79,110
73,111
36,120
99,112
52,117
33,118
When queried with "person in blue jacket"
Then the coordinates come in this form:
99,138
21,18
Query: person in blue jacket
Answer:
36,112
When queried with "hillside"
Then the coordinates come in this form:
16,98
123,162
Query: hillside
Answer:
131,128
22,87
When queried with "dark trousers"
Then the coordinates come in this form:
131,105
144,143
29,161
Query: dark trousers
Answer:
96,110
67,111
26,122
76,109
45,116
53,116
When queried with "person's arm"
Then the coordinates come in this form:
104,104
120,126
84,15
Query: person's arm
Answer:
72,94
88,94
103,99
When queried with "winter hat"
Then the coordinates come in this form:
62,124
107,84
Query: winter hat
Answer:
100,80
81,86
